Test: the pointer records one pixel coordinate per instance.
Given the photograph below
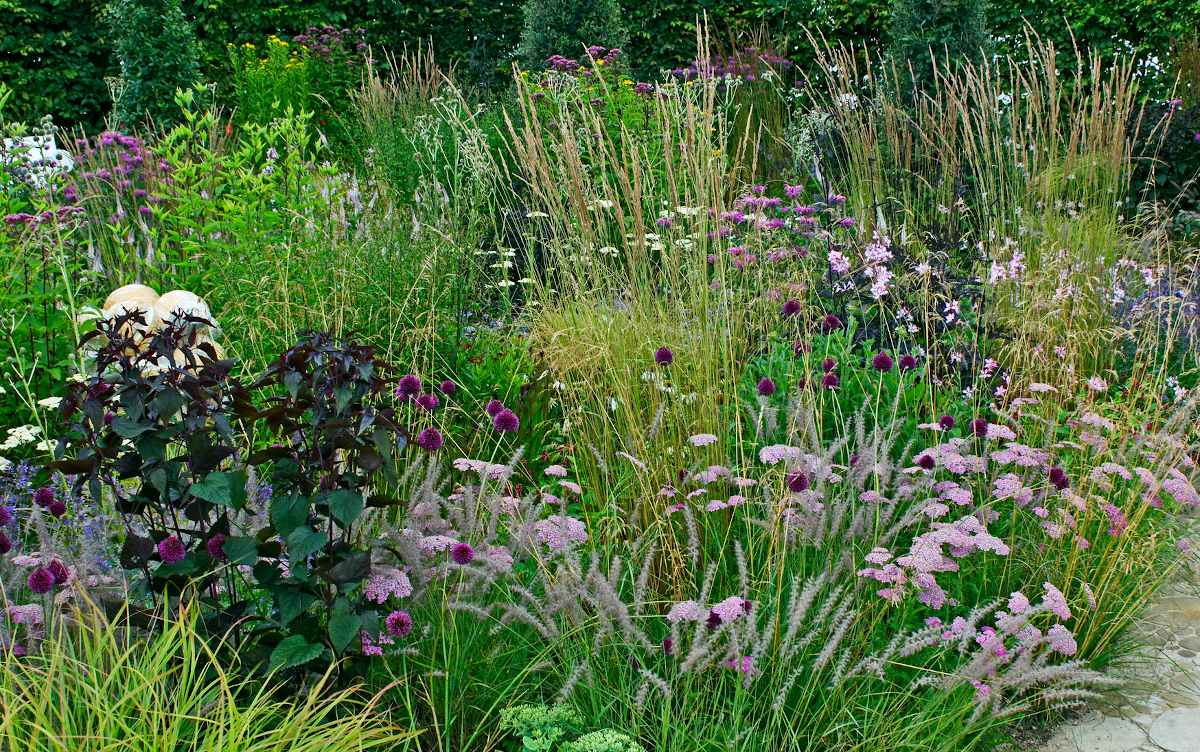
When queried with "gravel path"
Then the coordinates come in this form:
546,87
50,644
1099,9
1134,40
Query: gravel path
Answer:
1158,708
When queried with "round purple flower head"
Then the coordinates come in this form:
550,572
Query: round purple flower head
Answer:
979,427
663,356
926,461
668,645
171,550
907,362
791,308
882,362
766,387
447,388
831,324
428,401
5,543
506,421
494,407
831,381
408,387
6,515
799,347
828,365
57,508
44,496
462,553
430,439
41,581
399,623
797,481
59,572
215,546
947,422
1058,477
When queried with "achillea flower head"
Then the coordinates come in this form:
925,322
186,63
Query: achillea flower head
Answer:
766,387
215,546
430,439
41,581
702,439
663,356
44,496
882,362
494,407
59,572
171,550
506,421
399,623
428,401
1055,602
1061,640
462,553
791,308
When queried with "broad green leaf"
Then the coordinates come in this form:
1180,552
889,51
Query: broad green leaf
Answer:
224,488
344,625
288,513
240,550
345,506
294,651
303,541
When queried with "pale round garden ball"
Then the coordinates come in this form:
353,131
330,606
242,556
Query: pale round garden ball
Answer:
144,305
139,293
178,304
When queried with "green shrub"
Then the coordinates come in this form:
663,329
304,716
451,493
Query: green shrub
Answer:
566,27
950,31
156,50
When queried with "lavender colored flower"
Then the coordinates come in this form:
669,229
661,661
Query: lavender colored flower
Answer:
494,408
506,421
41,581
44,496
663,356
882,362
447,387
428,401
59,572
215,546
171,550
462,553
766,387
399,623
430,439
791,308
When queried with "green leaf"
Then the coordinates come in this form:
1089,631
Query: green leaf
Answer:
288,513
294,651
344,625
129,429
292,603
345,506
224,488
240,550
302,541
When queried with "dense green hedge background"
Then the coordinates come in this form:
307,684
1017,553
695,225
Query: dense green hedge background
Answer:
55,53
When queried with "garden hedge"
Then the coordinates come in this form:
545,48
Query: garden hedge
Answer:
55,53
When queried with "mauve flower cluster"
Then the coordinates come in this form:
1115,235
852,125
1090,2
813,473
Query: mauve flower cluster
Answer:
333,45
748,64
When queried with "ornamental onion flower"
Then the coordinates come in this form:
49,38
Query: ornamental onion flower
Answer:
41,581
171,550
44,496
399,623
430,439
447,388
462,553
882,362
494,407
791,308
907,362
506,421
831,323
409,386
59,572
766,387
215,546
663,356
